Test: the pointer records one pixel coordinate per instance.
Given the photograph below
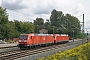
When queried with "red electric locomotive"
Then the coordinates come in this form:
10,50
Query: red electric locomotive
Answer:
31,40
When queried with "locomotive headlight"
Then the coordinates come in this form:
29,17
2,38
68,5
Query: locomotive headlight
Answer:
25,40
19,40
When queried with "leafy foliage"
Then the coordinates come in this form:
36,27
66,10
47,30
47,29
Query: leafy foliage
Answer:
3,21
58,23
65,24
3,16
39,24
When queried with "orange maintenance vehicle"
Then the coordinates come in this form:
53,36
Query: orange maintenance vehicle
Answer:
33,40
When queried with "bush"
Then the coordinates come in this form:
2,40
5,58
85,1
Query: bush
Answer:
81,52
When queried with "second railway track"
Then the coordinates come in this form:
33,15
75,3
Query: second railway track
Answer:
9,48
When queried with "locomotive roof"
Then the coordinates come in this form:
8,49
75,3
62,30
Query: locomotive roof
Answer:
42,34
63,34
47,34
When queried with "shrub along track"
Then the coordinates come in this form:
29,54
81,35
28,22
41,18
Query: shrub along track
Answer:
11,55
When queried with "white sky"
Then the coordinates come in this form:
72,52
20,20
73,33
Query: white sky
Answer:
28,10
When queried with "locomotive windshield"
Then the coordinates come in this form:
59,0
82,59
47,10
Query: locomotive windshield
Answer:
23,37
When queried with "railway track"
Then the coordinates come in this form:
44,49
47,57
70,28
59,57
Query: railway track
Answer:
11,55
9,48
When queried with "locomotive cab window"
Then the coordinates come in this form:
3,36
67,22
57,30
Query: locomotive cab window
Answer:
23,37
30,37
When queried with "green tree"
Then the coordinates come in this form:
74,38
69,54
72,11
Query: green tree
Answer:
56,17
14,28
39,24
24,27
3,21
48,26
3,16
27,27
17,25
10,31
73,25
65,24
57,21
